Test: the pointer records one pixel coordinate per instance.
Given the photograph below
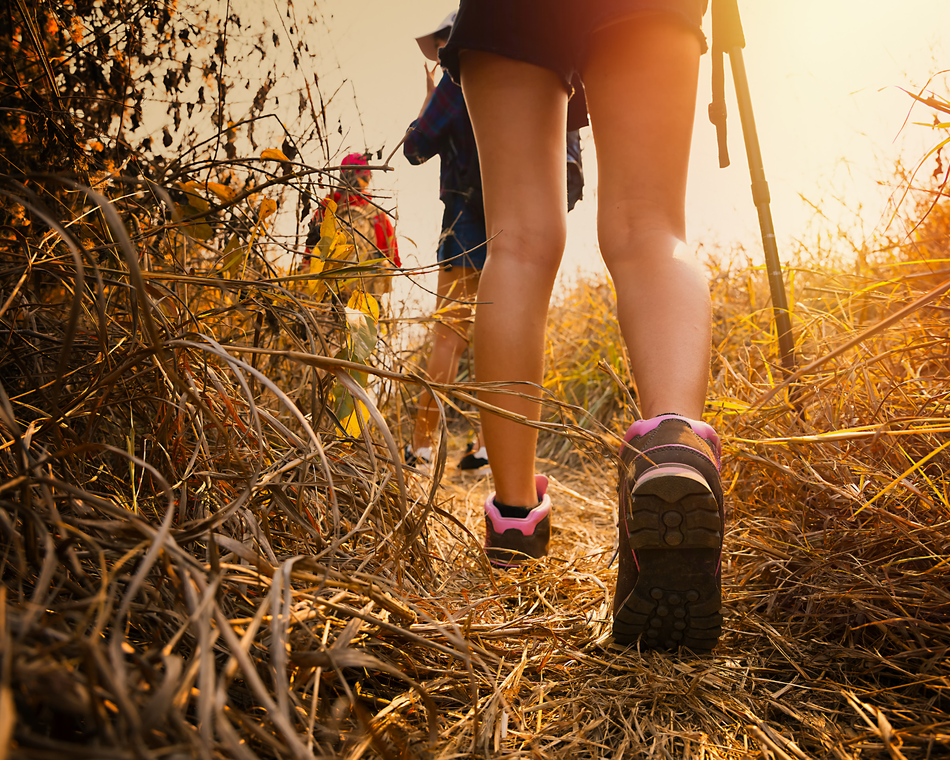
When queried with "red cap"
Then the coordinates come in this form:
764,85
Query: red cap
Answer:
354,159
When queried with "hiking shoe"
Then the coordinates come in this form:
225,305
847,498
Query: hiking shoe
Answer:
474,461
671,526
421,458
511,539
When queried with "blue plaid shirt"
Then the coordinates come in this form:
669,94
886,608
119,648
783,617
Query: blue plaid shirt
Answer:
444,128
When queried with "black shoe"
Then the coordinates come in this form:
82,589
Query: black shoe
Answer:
421,458
474,461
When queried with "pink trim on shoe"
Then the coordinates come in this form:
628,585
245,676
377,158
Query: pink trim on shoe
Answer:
702,429
536,515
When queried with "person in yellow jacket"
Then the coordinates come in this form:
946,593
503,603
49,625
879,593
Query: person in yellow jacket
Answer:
366,226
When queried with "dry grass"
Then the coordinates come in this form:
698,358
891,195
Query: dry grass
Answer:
197,560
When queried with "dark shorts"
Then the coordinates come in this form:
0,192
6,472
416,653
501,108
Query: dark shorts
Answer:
462,242
554,34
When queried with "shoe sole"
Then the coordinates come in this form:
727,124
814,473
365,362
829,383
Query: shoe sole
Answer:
675,531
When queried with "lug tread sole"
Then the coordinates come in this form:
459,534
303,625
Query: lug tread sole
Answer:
676,533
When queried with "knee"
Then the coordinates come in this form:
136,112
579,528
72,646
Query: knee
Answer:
526,245
638,239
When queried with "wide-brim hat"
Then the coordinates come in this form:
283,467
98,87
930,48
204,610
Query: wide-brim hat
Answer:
427,41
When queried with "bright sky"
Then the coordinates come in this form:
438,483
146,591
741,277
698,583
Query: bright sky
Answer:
825,78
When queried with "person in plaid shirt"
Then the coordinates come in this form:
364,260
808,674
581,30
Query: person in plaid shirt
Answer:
443,129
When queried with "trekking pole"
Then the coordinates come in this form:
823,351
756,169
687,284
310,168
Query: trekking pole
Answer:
728,39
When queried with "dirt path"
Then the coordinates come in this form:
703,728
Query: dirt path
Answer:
558,691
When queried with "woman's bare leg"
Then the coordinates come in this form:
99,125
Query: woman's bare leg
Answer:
519,114
640,81
456,291
641,91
